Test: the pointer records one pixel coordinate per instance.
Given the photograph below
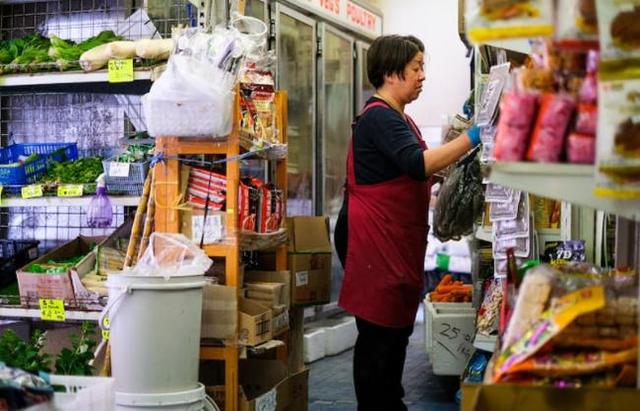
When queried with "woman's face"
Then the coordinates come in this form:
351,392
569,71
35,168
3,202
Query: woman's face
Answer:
409,88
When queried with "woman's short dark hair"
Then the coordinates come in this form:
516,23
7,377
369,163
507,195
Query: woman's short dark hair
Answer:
389,55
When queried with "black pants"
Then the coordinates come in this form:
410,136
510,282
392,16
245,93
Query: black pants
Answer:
378,363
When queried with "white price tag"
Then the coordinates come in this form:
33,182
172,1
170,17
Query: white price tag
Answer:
119,169
455,339
302,278
213,232
267,401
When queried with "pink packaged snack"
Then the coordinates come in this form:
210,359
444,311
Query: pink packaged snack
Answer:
554,116
581,148
587,119
517,112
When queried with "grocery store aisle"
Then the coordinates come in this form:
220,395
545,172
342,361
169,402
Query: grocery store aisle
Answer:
331,386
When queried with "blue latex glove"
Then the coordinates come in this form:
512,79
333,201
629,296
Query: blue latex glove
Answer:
473,133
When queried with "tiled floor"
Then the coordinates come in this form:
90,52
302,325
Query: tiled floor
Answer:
331,384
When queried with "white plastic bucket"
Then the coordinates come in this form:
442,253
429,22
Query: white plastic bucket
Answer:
192,400
154,333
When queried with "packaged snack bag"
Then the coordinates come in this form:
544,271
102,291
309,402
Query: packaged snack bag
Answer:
576,24
517,113
618,142
503,19
619,36
554,115
581,148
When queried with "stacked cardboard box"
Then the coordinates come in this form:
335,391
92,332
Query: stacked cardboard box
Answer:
271,289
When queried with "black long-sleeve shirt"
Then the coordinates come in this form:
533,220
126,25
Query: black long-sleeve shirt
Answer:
384,148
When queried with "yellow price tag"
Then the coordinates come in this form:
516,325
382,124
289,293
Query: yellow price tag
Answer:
105,335
34,190
70,190
120,71
52,310
1,194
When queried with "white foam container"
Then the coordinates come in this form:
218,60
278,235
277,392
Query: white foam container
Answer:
342,336
314,345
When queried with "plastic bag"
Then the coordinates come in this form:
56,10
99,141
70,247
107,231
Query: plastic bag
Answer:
171,255
517,113
460,201
547,141
576,23
502,19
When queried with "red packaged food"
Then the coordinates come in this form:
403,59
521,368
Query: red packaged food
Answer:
587,119
248,198
547,140
271,208
517,112
581,148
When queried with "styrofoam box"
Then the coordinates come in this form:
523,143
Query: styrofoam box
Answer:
314,346
341,336
449,332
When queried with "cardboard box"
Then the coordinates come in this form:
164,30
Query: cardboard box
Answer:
264,385
282,277
309,260
219,312
270,294
507,397
280,321
34,286
255,322
193,223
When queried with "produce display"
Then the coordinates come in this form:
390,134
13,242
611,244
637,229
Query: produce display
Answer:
35,52
450,291
82,171
135,153
54,266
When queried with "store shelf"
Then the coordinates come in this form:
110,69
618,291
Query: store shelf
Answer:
74,81
566,182
485,342
8,312
122,201
548,235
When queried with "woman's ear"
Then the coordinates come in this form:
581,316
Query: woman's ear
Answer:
390,78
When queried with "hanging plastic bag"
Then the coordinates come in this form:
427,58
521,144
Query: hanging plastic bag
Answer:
460,201
171,255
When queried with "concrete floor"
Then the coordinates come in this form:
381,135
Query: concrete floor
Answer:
331,383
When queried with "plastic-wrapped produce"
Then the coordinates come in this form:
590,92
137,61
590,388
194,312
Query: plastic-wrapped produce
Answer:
460,201
547,141
517,111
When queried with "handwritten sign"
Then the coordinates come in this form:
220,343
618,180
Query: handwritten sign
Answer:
70,190
117,169
120,71
458,342
52,310
32,191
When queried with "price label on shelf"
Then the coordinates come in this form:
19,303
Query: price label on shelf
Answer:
119,169
70,190
52,310
120,71
106,333
32,191
1,194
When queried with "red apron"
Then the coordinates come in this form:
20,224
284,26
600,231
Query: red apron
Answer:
387,240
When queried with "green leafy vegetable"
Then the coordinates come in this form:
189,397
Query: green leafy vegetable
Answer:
82,171
15,352
75,361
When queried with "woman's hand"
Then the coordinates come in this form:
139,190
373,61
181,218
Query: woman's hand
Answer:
438,158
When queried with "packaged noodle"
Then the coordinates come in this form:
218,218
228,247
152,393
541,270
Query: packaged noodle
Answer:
618,142
576,23
619,35
547,141
503,19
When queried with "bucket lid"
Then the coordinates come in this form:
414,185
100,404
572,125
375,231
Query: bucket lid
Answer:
161,399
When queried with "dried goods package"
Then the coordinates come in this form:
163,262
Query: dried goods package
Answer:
619,35
547,140
576,23
517,113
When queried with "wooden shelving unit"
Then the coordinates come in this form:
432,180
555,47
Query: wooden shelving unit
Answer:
167,219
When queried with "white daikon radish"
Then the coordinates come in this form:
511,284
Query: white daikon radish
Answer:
121,49
95,58
154,49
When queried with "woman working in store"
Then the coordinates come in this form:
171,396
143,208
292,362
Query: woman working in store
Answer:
381,234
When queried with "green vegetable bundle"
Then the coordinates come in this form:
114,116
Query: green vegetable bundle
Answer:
54,266
67,53
82,171
135,153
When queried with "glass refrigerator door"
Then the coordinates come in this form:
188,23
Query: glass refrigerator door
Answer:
296,52
335,116
364,89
